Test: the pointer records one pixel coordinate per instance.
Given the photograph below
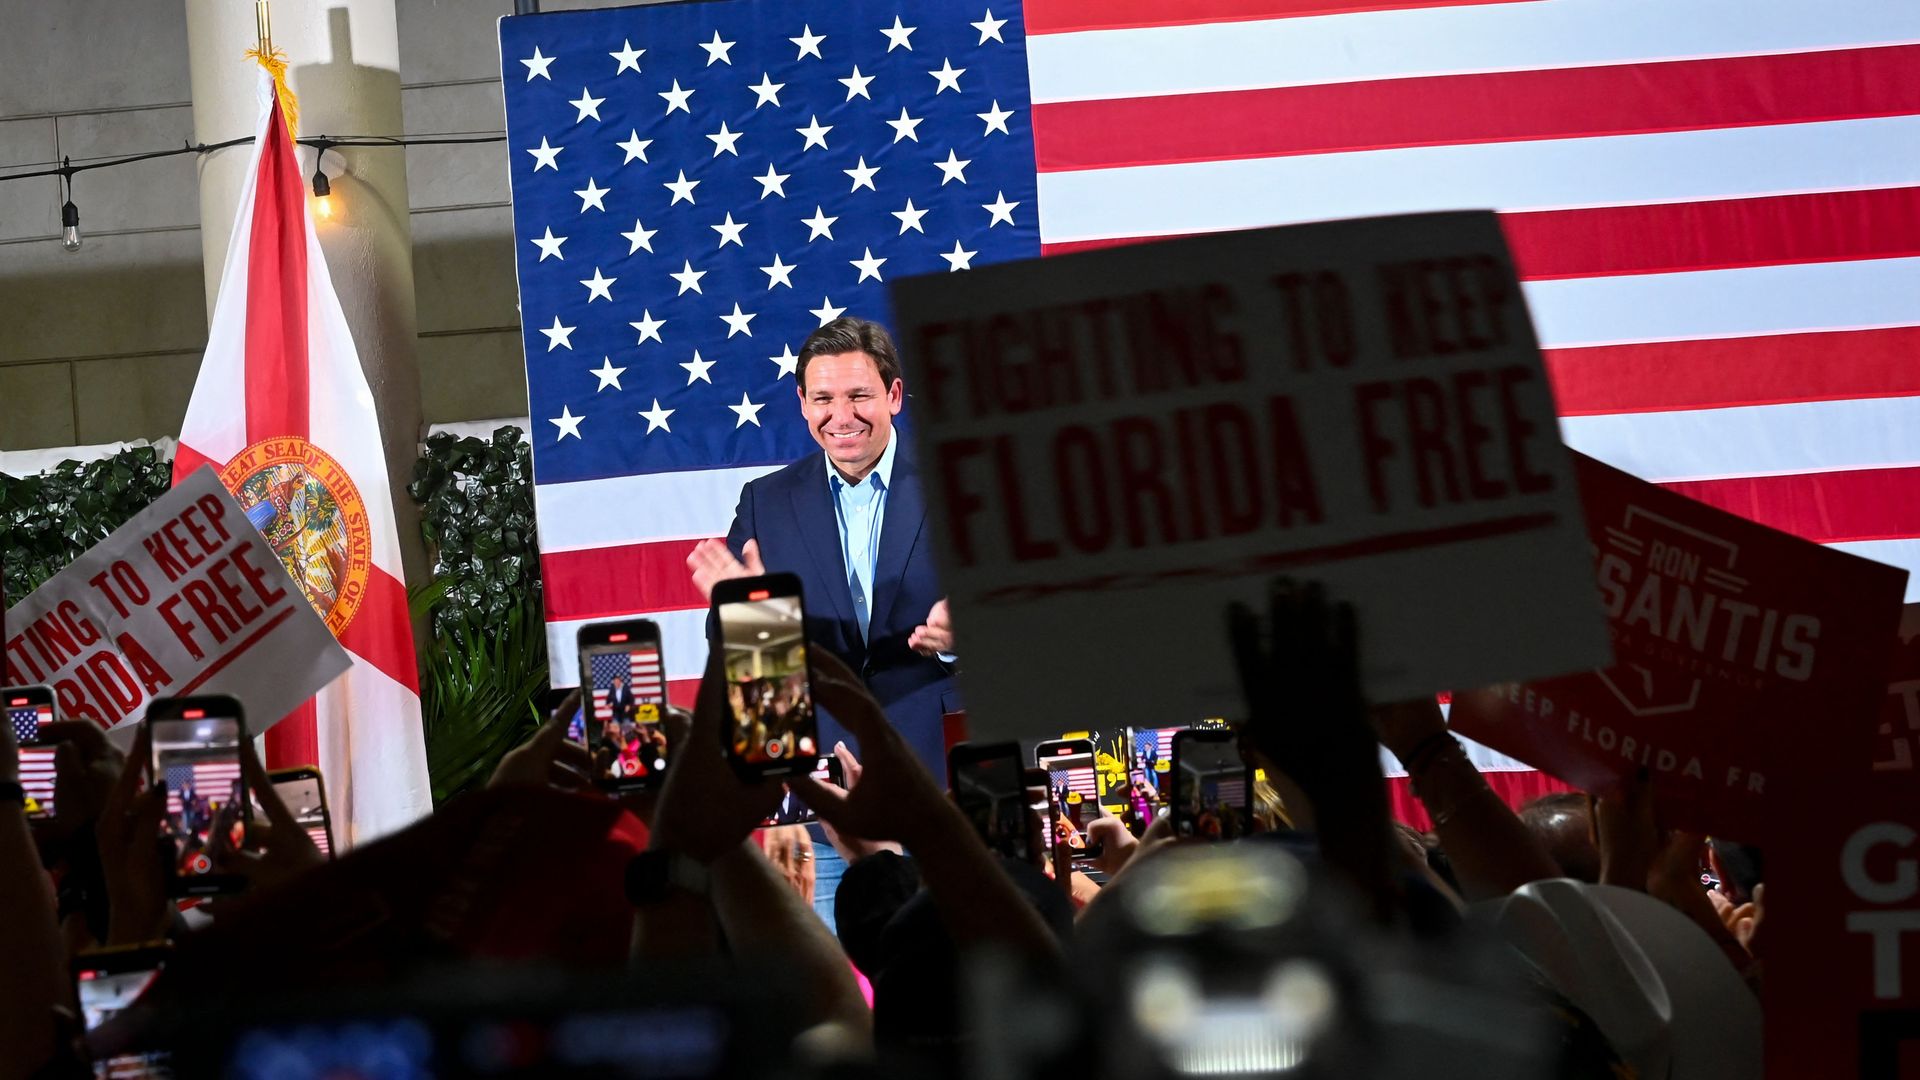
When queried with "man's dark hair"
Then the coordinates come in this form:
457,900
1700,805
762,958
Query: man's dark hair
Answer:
847,334
1560,820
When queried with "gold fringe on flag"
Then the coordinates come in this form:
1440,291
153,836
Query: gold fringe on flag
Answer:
276,63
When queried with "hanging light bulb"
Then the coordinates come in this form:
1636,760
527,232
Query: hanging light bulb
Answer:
322,187
70,226
69,213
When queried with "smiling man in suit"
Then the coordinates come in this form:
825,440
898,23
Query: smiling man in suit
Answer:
850,523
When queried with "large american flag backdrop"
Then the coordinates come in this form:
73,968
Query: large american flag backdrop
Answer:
1715,205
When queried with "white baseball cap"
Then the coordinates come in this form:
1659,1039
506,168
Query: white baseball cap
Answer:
1661,991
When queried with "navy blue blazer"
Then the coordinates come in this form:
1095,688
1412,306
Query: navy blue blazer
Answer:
791,514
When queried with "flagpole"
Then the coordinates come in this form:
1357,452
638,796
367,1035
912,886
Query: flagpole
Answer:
263,26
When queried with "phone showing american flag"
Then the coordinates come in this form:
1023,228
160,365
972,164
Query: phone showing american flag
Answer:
196,754
30,708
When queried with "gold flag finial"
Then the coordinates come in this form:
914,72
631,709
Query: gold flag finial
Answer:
275,62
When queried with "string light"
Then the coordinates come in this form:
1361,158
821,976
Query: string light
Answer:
69,213
322,188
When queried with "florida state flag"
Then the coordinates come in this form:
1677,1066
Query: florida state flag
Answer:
282,410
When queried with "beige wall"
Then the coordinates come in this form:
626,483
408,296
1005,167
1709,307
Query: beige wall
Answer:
102,345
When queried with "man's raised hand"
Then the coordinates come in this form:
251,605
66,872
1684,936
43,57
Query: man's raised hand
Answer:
712,562
935,636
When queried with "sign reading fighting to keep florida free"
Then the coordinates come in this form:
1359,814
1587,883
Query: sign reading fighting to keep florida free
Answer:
1749,665
1120,442
186,598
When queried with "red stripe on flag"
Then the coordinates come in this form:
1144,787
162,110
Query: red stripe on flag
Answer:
600,583
1068,247
276,368
277,294
1439,110
682,692
187,461
295,741
381,634
1822,227
1831,507
1721,372
1516,789
1068,16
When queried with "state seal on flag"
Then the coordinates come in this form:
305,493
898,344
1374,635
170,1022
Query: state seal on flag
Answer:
309,509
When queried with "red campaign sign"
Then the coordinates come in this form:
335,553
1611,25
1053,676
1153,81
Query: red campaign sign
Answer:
1841,933
1740,654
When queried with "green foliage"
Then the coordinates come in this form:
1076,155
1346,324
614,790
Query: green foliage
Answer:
485,665
478,692
476,512
47,521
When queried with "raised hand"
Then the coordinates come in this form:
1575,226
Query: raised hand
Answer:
549,757
935,636
1300,671
128,836
705,809
711,562
894,798
279,849
851,848
790,850
86,765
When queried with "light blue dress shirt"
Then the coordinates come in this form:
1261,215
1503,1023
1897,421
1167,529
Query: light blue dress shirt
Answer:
861,510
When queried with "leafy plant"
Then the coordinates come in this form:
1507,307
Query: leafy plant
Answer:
478,690
476,513
485,666
48,520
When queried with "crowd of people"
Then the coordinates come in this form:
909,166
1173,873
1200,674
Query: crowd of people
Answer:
1572,938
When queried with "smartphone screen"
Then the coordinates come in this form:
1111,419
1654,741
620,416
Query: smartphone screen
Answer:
622,722
769,695
196,754
1069,762
792,811
107,983
308,802
989,786
1213,787
30,708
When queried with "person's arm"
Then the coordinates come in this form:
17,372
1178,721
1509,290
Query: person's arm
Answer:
764,918
703,812
130,860
1300,671
896,800
1492,850
36,980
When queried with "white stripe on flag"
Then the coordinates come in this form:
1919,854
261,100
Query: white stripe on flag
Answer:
1753,440
1902,553
1447,40
1744,302
638,509
1680,166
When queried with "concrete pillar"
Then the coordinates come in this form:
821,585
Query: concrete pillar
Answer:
344,65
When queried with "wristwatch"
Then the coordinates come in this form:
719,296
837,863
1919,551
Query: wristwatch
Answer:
653,875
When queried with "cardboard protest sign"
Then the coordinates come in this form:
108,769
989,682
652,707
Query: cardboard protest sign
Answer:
185,598
1841,931
1119,442
1745,657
